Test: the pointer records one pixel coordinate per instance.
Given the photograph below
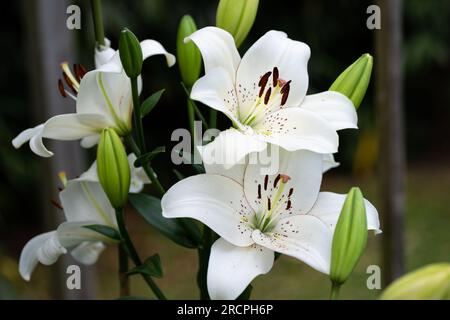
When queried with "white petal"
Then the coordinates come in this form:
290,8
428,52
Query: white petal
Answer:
88,252
329,205
236,172
230,148
43,248
303,237
38,147
107,94
334,107
218,49
274,49
152,47
103,55
329,162
232,268
86,200
73,126
296,128
304,168
72,234
34,136
216,89
90,141
216,201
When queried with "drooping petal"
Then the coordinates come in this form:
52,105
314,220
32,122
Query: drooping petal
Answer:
71,234
304,237
44,248
218,49
329,162
230,148
107,94
216,201
296,128
73,126
90,141
216,89
87,252
34,136
232,268
151,48
329,205
274,49
86,200
336,108
303,171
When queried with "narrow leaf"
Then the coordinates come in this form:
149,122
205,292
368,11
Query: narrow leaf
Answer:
151,102
148,157
105,230
151,267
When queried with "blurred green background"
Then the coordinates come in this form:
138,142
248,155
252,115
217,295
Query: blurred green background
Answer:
337,34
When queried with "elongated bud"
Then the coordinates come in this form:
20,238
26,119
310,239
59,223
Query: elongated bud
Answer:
353,82
188,55
431,282
237,17
350,237
113,168
130,53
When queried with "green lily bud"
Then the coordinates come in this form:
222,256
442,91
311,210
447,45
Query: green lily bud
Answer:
350,237
188,55
353,82
431,282
130,53
113,168
237,17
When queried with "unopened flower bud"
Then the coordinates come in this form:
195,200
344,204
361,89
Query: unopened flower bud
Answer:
431,282
113,168
188,55
353,82
350,237
237,17
130,53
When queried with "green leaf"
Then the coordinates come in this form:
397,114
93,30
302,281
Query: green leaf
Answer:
148,157
151,102
151,267
181,231
105,230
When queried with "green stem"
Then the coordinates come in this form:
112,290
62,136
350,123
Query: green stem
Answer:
147,167
131,251
124,282
98,22
213,118
334,293
139,130
191,118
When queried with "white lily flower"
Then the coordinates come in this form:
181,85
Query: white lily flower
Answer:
258,215
104,100
264,95
84,203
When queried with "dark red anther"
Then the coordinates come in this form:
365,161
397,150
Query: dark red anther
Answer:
275,76
263,82
80,71
69,83
56,204
267,96
61,88
266,181
276,180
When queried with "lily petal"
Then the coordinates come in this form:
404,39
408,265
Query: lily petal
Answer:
151,48
87,252
274,49
73,126
334,107
44,248
216,201
329,162
296,128
86,200
34,136
216,90
230,148
71,234
303,237
303,169
329,205
104,55
232,268
217,48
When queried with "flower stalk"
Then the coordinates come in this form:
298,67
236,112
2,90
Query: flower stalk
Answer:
98,23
